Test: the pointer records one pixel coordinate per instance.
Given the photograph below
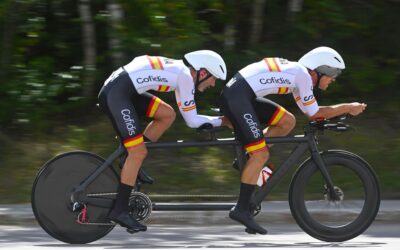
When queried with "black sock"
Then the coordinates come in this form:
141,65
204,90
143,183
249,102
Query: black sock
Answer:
246,191
122,200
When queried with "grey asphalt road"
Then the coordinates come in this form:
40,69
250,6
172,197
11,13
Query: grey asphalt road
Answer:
281,236
206,229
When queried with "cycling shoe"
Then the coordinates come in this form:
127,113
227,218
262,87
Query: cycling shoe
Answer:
125,220
246,219
250,231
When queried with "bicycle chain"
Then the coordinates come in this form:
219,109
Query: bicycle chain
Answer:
151,196
96,223
173,195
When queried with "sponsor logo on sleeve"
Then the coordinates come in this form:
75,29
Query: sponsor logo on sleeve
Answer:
189,103
307,98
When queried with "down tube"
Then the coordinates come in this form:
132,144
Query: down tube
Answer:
280,172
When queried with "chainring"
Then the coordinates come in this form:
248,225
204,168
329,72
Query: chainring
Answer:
140,206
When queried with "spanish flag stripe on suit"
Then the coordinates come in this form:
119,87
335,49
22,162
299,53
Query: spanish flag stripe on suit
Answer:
309,102
256,146
153,106
277,116
163,88
272,64
189,108
155,62
283,90
134,141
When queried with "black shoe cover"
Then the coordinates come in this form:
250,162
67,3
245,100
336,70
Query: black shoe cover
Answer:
247,219
125,220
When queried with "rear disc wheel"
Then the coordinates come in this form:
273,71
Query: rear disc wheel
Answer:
51,197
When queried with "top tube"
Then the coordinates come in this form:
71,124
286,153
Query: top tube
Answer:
223,142
335,124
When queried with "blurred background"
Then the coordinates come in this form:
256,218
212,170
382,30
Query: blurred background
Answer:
55,56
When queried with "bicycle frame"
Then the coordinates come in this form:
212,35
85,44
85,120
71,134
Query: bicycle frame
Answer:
306,141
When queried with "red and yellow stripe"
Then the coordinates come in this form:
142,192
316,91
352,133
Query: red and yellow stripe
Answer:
297,98
134,141
272,64
153,106
155,62
283,90
277,116
256,146
309,102
189,108
163,88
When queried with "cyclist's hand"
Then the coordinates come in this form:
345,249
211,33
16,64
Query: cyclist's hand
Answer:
357,108
226,122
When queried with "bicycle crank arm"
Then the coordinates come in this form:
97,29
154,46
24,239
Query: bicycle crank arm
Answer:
99,202
105,200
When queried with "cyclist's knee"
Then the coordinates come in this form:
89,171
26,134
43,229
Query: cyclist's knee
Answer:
291,121
167,114
139,152
288,122
171,115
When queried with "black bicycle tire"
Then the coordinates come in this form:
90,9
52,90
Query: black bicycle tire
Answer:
357,226
37,205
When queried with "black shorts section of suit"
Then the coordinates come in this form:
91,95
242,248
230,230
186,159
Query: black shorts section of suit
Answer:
248,113
124,106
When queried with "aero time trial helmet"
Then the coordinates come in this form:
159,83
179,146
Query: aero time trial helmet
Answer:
324,60
208,60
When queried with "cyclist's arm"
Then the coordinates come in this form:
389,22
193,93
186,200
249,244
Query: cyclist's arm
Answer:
327,112
306,101
297,99
303,94
187,105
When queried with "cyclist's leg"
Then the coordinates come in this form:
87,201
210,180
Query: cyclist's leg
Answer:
162,114
279,121
115,99
237,106
133,162
249,132
254,144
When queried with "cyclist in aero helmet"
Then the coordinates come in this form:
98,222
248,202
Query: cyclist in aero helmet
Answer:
324,61
243,104
124,98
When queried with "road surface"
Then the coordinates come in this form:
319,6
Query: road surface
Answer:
281,236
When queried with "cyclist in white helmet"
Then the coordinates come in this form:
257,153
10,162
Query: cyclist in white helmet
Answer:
254,117
124,98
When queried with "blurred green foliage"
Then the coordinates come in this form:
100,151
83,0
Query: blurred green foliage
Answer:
44,108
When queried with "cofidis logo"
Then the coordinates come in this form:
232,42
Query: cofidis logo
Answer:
149,79
274,80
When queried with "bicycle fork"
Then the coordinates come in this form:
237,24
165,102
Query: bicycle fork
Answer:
307,142
316,157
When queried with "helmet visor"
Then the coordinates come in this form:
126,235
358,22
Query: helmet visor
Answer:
328,71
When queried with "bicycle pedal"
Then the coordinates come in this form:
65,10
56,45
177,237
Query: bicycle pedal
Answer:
250,231
235,164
